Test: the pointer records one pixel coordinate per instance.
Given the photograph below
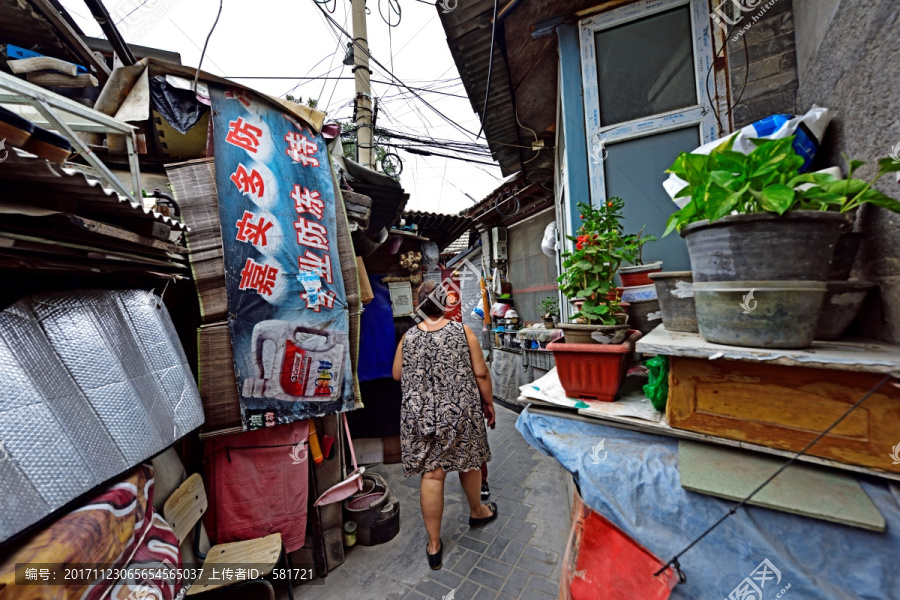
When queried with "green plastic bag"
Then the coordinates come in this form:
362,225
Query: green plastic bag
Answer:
657,389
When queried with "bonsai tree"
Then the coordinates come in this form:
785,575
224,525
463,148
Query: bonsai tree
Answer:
589,269
549,307
767,180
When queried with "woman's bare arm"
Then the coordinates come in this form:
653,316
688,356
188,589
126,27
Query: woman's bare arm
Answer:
398,360
482,375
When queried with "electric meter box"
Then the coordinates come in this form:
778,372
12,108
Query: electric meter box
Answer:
401,298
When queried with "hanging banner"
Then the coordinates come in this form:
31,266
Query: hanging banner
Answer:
287,308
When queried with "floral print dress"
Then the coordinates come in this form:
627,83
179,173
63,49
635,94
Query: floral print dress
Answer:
441,421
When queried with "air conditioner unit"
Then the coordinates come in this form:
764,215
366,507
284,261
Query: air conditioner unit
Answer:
498,244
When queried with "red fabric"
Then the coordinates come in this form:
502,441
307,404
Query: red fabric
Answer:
257,484
114,529
601,561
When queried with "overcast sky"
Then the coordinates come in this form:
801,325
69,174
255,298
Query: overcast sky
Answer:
290,38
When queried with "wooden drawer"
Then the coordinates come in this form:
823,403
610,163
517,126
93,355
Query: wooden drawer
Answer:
786,407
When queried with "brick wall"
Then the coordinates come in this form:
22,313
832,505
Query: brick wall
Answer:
852,66
768,42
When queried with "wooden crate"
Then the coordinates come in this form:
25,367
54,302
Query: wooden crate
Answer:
786,407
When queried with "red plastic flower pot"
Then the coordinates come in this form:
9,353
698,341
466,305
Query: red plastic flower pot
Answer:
639,274
593,371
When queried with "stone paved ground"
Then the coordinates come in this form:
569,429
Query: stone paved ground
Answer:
516,556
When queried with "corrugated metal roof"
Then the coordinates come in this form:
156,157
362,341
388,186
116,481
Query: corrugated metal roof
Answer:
461,243
39,180
528,68
441,229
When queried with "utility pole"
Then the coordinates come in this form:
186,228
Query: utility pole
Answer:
365,133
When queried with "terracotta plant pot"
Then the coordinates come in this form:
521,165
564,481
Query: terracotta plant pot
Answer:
548,323
586,333
593,371
638,274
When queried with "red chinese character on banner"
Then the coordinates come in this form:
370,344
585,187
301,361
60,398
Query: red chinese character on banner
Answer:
239,95
258,277
308,201
325,299
319,265
312,234
249,182
243,135
255,233
301,150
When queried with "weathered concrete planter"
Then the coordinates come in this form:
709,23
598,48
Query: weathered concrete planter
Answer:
844,256
675,291
644,315
842,302
759,314
795,246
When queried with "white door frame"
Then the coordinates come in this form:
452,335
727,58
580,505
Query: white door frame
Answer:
700,115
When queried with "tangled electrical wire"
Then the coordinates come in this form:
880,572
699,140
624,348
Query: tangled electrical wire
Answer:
393,7
325,3
514,195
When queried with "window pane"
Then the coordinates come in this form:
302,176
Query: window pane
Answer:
635,171
646,67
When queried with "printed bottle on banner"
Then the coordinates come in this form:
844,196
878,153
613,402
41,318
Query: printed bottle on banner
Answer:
296,363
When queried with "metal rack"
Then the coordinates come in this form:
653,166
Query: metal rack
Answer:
54,107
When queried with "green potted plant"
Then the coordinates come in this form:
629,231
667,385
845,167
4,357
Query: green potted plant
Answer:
549,309
636,273
589,271
759,233
597,350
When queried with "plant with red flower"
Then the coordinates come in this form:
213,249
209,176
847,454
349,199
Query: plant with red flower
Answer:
600,247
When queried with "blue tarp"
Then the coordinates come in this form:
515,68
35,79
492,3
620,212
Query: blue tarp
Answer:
633,480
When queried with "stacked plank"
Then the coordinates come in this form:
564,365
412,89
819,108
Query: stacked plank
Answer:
194,184
44,71
359,209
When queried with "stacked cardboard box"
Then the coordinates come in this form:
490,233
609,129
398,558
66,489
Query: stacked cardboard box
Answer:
194,184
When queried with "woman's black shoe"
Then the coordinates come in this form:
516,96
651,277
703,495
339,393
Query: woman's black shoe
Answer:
473,522
485,491
434,560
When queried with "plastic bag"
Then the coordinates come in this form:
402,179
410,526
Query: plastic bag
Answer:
548,244
809,130
430,255
657,389
498,309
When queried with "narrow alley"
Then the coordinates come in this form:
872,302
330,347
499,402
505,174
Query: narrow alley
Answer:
616,281
516,556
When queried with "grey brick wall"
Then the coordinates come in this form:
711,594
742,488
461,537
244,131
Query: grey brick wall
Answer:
771,83
854,69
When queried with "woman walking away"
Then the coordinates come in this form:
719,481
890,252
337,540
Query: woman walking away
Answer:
446,398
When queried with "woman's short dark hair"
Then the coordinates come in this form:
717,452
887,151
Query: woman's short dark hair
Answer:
431,299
